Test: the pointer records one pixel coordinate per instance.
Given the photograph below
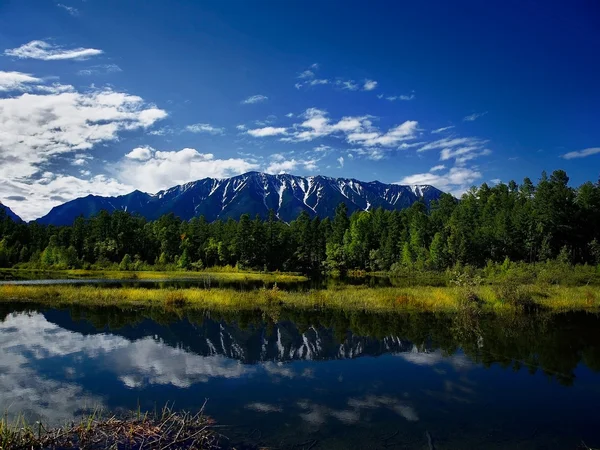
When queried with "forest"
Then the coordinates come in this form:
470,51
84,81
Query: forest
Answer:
507,222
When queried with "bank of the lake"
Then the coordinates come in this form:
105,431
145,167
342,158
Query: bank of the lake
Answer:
493,298
215,273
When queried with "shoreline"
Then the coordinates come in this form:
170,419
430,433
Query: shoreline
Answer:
488,298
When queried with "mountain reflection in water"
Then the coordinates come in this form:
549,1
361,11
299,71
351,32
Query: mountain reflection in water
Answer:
347,380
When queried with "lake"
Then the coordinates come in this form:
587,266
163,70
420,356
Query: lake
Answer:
316,379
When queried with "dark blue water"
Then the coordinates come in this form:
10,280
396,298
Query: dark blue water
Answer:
333,379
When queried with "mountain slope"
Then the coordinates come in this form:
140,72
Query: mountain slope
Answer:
252,193
9,213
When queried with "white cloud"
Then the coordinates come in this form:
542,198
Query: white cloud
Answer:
241,127
290,115
440,130
163,131
437,168
52,190
204,128
49,52
340,161
369,85
69,9
349,85
255,99
279,164
318,81
473,117
266,131
451,142
140,153
36,127
164,169
99,69
357,130
457,180
16,81
406,98
391,138
582,153
306,74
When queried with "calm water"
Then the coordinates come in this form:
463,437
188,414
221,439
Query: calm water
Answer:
336,380
203,282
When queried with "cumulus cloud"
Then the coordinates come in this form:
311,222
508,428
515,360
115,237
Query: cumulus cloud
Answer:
49,52
357,130
266,131
369,85
140,153
457,180
16,81
473,117
204,128
279,164
53,121
36,127
54,189
255,99
340,161
164,169
582,153
437,168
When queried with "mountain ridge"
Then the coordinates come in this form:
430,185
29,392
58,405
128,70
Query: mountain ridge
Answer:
10,213
252,193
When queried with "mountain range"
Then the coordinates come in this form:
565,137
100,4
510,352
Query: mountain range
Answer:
9,213
253,193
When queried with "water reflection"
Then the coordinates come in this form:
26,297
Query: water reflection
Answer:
347,380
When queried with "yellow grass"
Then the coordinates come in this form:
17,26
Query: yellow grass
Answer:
347,298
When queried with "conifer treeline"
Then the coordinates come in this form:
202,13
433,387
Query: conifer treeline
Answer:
524,222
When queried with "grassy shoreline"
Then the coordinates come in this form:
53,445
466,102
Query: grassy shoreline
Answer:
350,298
229,275
167,429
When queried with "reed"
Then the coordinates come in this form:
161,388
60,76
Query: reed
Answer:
160,431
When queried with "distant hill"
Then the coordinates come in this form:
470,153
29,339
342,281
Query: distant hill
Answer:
9,213
252,193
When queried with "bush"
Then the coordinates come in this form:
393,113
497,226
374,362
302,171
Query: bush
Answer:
513,293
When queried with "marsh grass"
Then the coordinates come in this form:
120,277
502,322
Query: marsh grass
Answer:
350,298
163,430
215,274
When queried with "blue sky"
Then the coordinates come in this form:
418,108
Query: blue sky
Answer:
108,96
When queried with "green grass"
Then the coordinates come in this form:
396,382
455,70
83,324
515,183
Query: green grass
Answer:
350,298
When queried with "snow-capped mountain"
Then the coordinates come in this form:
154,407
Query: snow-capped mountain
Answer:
9,213
252,193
